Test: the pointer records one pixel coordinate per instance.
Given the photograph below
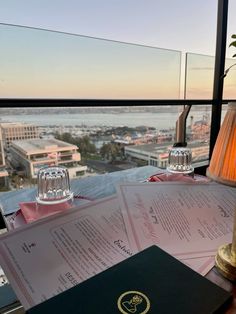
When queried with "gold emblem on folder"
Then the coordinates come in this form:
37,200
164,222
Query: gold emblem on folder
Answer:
133,302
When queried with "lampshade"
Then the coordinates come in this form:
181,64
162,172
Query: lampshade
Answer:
222,166
223,169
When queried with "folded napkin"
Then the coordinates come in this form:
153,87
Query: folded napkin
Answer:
170,177
176,177
31,211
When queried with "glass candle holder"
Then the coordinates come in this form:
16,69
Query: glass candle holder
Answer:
54,194
53,186
180,161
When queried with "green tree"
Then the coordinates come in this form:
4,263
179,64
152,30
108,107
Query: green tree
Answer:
65,137
105,151
85,145
111,151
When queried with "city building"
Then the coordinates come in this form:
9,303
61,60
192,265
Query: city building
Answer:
2,157
200,130
31,155
3,172
12,131
157,154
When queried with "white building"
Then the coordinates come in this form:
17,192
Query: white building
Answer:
14,131
3,172
157,154
31,155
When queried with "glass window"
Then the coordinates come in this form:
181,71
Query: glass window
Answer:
144,60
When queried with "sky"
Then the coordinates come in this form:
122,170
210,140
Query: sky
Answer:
186,25
183,25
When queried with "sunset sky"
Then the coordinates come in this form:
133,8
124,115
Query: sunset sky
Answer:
43,64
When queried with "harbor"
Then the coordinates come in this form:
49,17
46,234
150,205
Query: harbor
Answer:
106,139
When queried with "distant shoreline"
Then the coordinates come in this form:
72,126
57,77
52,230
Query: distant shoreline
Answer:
92,110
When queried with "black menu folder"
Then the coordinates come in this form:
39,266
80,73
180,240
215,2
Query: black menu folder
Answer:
151,281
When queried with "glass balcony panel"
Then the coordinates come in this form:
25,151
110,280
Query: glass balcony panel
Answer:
199,76
44,64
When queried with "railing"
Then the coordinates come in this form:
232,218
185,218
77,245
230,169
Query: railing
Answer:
51,64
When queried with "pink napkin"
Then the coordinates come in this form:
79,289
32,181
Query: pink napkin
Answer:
31,213
175,177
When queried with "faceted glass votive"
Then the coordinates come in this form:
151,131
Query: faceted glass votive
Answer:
53,185
180,161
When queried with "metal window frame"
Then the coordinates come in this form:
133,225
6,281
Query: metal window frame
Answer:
221,35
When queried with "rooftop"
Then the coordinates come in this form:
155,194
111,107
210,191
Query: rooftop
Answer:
14,124
151,148
38,145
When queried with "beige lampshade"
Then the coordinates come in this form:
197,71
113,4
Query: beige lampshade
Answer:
222,166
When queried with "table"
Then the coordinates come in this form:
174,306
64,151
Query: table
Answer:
98,187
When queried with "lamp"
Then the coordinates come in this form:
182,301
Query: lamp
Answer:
222,169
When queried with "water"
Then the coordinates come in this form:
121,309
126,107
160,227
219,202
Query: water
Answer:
99,143
160,120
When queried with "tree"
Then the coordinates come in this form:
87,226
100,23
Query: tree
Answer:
84,144
105,151
111,151
65,137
